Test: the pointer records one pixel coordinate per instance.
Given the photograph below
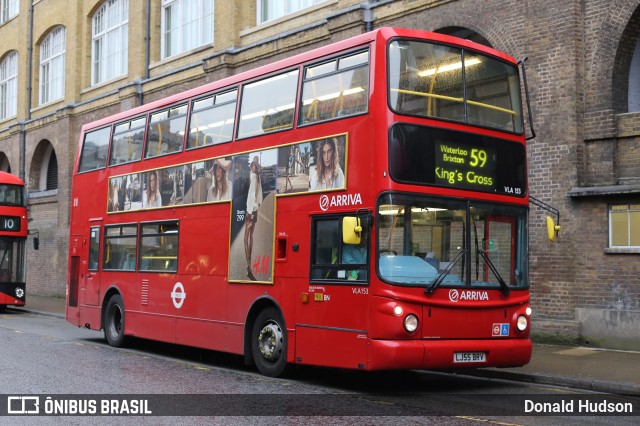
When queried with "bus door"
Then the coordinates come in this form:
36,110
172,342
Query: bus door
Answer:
335,315
89,282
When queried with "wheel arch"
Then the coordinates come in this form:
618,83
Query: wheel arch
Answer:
111,291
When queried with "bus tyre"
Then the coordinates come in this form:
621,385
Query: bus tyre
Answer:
269,342
114,321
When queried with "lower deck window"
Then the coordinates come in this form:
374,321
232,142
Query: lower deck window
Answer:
159,246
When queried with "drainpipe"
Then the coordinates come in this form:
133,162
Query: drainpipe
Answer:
368,17
147,40
147,49
23,131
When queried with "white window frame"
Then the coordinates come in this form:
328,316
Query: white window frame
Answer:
631,208
193,28
268,10
52,65
110,41
8,10
9,86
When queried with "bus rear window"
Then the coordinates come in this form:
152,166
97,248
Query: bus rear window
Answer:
94,150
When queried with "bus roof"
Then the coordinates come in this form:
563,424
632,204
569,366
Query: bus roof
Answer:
8,178
264,70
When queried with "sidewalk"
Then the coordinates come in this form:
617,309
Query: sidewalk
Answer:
594,369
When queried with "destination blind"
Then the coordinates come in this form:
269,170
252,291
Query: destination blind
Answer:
448,158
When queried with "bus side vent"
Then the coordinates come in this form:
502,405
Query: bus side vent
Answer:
144,293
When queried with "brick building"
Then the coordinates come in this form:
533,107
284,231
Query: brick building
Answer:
67,62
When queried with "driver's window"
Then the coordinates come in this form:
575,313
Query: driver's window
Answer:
331,258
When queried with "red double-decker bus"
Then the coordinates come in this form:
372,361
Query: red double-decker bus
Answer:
362,205
13,236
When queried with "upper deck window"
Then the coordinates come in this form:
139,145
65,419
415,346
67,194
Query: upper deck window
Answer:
128,139
335,89
212,119
94,150
268,105
11,195
445,82
166,131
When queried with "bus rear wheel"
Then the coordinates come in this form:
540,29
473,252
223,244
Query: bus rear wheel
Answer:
269,343
114,321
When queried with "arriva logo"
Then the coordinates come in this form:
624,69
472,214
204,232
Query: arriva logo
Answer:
455,295
327,202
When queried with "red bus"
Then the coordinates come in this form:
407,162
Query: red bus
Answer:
362,205
13,236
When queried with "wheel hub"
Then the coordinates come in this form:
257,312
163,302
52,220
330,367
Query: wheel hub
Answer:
270,341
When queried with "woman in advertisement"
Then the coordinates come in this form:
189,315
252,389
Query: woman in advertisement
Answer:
329,175
254,199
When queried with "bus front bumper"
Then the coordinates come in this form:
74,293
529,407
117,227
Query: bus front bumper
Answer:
447,354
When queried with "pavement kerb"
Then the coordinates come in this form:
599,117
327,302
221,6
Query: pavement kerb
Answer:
590,385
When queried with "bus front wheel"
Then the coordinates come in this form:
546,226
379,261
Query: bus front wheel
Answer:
114,321
269,342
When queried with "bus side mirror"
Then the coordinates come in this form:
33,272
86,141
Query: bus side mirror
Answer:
351,230
552,229
36,243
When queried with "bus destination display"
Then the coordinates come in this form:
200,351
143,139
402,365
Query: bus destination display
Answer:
9,223
465,166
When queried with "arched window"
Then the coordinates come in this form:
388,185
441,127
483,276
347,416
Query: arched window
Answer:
52,53
9,86
634,80
52,172
43,175
4,163
110,41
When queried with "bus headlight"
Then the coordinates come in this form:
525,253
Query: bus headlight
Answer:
411,323
521,323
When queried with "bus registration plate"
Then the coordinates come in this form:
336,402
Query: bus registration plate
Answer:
469,357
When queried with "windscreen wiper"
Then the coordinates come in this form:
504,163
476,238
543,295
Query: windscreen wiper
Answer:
438,280
504,288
